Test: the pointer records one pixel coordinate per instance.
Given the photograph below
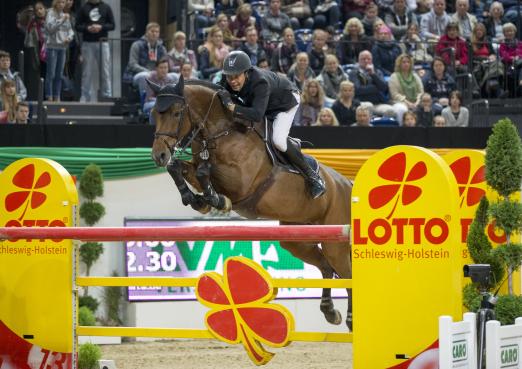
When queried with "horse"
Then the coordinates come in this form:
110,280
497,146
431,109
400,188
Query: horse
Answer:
231,170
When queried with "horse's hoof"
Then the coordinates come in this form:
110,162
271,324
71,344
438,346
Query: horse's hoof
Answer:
204,209
200,205
332,316
227,206
187,199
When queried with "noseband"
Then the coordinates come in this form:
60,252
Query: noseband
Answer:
194,132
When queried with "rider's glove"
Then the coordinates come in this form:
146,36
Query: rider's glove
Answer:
225,98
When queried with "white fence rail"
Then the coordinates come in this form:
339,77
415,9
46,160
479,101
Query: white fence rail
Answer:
503,345
458,342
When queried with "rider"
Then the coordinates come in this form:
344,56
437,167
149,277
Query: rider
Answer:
262,92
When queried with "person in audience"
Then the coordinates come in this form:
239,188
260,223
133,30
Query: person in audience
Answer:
251,47
144,54
363,117
439,83
160,76
425,111
229,7
326,118
331,77
299,12
494,23
370,86
409,119
204,13
274,22
188,72
439,121
327,12
399,18
453,49
354,8
415,46
36,53
385,51
423,7
242,22
466,21
223,24
433,24
22,113
312,101
7,75
455,114
263,64
510,53
94,21
487,70
59,33
284,55
180,54
317,52
300,71
405,87
212,53
345,105
480,9
370,17
352,42
71,82
8,100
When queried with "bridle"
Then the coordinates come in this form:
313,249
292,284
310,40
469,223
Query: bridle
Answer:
196,128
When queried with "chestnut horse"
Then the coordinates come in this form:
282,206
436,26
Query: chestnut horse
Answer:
230,166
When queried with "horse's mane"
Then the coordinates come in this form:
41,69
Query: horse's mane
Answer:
199,82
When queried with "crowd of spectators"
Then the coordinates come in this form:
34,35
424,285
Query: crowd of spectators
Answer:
356,62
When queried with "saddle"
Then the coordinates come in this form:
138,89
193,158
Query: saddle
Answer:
278,158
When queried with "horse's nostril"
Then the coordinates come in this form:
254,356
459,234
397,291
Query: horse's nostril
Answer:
163,156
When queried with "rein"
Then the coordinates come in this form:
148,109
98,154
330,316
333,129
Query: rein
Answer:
203,153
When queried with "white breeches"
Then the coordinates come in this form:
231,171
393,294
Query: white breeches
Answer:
282,124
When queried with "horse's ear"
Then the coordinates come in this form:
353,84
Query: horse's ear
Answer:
153,86
180,85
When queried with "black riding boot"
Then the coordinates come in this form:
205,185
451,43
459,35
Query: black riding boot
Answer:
315,183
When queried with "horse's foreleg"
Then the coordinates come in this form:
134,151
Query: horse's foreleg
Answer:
210,195
312,254
175,169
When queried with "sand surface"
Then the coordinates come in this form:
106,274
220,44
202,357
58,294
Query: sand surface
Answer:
207,354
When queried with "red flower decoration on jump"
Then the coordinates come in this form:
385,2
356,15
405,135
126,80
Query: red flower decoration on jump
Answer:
394,170
240,312
461,169
25,179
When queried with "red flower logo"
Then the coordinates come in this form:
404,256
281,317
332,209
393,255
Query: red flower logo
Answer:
394,170
240,312
25,179
461,169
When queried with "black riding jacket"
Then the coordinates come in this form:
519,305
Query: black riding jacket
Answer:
264,93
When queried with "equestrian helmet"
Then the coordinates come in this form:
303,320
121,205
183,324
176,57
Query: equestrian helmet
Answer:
236,62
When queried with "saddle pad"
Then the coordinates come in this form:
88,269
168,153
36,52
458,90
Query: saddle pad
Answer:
278,158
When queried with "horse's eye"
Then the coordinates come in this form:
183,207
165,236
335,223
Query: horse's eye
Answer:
176,114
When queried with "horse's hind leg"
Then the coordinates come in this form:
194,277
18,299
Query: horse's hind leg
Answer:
210,195
338,255
175,169
311,254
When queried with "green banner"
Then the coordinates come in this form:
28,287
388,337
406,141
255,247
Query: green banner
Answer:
115,163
